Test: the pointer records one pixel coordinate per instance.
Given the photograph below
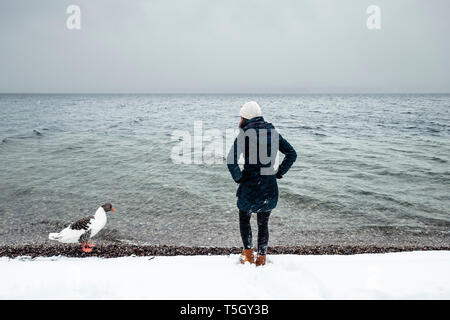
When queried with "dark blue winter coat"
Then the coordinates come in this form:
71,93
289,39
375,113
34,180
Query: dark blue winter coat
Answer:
258,189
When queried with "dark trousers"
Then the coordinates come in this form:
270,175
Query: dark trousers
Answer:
263,230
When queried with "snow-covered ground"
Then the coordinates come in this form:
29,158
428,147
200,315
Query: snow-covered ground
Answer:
410,275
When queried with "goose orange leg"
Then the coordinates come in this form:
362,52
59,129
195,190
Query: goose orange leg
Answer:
88,249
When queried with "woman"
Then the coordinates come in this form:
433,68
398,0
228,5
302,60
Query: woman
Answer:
257,142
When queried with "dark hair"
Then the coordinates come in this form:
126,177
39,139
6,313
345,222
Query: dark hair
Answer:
242,123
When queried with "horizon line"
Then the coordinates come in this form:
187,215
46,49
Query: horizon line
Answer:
214,93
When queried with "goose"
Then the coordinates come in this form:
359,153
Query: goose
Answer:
84,229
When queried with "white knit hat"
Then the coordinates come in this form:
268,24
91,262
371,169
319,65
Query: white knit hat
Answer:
250,110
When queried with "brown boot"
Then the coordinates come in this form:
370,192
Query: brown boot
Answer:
247,256
260,260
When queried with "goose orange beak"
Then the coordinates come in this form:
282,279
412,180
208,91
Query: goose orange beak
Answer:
112,209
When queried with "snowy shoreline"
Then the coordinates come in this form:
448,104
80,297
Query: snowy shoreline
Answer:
114,250
403,275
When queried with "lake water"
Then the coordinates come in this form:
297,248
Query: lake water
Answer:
371,169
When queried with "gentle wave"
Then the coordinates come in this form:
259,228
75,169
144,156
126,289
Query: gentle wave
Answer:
363,161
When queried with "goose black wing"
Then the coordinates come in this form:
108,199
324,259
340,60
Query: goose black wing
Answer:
82,224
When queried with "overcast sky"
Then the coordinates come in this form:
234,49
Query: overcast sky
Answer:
224,46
